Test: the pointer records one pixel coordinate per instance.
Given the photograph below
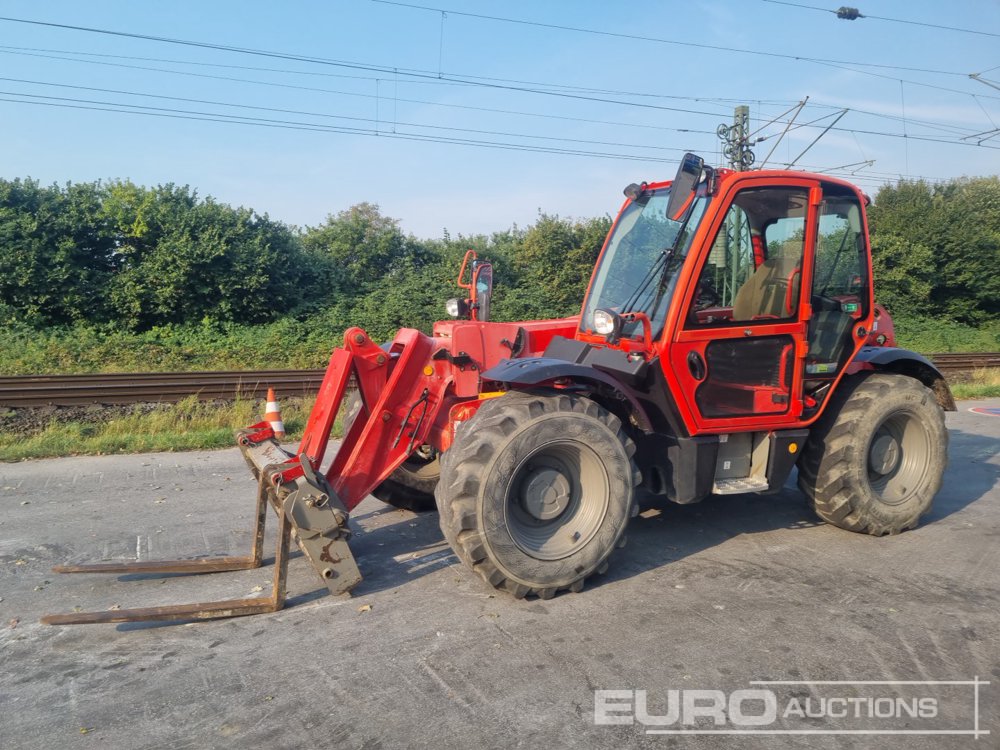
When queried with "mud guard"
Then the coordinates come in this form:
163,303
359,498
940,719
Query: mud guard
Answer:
539,370
905,362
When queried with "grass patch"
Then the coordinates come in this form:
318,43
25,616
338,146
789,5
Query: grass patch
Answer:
984,383
187,425
284,344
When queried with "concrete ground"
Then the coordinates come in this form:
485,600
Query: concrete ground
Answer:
709,596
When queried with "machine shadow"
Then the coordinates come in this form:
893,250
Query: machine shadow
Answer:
969,475
403,547
665,532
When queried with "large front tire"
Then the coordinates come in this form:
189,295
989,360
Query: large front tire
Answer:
536,491
875,460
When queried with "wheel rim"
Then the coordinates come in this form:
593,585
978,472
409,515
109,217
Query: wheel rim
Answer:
557,500
423,463
898,457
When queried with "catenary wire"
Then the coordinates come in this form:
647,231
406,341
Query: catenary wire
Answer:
286,111
277,84
356,94
639,37
74,103
884,18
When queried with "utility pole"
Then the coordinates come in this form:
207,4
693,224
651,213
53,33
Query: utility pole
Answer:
733,258
736,137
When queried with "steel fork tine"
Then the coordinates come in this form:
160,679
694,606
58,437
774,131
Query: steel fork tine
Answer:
200,611
195,565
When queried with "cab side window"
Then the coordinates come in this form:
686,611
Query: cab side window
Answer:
753,271
840,284
840,252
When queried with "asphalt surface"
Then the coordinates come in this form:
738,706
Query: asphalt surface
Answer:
704,597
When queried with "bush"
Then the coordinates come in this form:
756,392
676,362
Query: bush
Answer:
936,335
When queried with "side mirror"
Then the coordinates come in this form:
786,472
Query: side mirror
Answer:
482,290
480,286
685,183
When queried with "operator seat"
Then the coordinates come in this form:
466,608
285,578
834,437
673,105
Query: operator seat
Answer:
765,293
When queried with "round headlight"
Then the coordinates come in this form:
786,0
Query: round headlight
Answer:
453,307
605,322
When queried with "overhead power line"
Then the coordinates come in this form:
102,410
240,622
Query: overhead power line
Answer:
430,76
817,60
186,114
908,81
659,40
471,107
178,114
851,16
386,69
198,115
358,66
931,124
448,105
327,115
394,71
57,54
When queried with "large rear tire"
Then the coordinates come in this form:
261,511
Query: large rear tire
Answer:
536,491
411,486
875,460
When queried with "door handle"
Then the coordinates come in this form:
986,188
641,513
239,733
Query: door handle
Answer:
697,366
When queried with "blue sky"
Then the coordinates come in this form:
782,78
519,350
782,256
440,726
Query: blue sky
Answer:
407,71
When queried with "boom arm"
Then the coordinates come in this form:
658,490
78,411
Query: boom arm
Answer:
410,395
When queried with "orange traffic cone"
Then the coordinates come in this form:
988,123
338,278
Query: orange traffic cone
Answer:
272,414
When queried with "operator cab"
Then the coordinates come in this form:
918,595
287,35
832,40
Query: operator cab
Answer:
745,294
739,248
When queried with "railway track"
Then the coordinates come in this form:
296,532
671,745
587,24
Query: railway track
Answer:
168,387
955,363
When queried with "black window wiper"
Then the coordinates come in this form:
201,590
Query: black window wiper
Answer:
656,272
659,268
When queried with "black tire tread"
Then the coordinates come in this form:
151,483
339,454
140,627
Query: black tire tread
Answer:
404,497
828,462
406,490
465,462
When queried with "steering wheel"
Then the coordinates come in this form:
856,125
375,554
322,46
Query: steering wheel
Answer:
705,296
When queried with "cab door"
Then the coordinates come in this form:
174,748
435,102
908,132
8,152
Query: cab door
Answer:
740,342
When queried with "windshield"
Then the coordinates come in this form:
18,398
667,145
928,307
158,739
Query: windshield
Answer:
638,271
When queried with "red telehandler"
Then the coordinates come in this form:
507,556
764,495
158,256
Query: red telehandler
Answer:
729,333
